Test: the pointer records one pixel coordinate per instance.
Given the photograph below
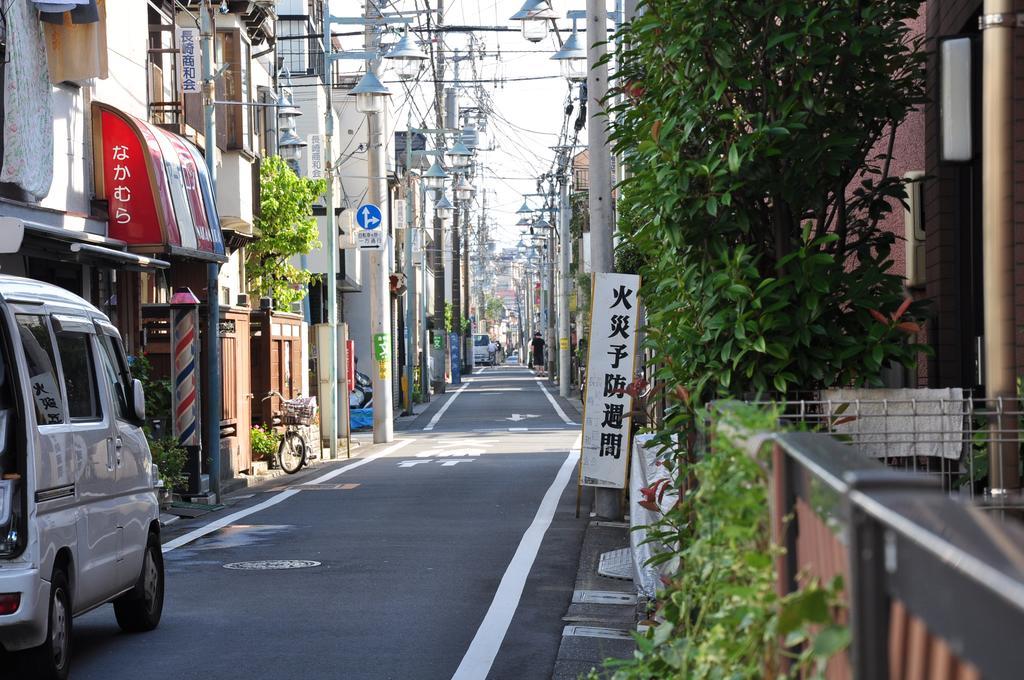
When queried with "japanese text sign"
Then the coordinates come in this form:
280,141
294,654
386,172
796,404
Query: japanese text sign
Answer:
188,60
316,156
610,366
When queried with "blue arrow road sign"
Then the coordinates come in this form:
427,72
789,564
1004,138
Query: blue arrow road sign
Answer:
368,216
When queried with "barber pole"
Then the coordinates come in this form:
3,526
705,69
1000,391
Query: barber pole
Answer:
185,343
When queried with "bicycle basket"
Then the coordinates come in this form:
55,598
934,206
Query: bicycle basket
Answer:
298,411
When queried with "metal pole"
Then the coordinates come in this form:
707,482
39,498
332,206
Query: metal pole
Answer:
999,23
410,272
606,501
332,248
380,266
424,334
213,386
565,214
552,329
467,346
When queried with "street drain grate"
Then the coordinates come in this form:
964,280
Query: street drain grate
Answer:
262,565
612,525
616,564
602,597
596,632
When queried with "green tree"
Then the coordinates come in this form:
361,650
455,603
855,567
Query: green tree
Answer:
286,228
751,131
494,309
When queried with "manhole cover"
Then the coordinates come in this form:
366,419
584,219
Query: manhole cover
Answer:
272,564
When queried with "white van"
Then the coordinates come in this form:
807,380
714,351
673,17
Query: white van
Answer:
480,354
79,517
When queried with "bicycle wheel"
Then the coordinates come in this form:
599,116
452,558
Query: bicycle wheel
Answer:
291,453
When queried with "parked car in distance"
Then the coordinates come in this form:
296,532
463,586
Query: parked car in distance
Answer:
480,355
79,517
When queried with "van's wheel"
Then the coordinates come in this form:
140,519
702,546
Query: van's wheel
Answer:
140,609
52,659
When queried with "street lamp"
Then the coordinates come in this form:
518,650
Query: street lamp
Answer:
443,207
369,93
434,177
525,209
409,56
572,58
464,190
459,155
534,16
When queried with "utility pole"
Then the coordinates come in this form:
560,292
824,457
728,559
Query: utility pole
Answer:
380,265
437,349
606,501
451,122
999,24
565,215
552,294
332,245
410,270
213,386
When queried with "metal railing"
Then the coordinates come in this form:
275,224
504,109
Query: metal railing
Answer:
935,587
945,434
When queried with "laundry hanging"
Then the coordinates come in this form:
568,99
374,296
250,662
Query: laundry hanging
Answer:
28,107
77,51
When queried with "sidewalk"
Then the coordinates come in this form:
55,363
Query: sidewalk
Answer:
603,610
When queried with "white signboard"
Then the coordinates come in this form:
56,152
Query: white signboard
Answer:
370,239
315,167
189,56
610,365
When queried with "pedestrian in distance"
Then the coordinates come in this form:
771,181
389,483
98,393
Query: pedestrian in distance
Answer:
537,350
492,351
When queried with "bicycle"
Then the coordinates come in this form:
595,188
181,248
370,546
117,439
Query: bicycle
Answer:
292,450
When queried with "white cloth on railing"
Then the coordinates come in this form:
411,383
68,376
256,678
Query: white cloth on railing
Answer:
897,423
643,473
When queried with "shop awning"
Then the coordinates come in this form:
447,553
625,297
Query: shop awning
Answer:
69,245
159,194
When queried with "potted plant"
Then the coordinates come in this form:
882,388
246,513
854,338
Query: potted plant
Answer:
263,443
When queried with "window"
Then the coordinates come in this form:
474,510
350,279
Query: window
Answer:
115,376
234,128
79,376
38,349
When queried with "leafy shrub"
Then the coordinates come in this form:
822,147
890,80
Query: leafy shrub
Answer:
170,459
264,442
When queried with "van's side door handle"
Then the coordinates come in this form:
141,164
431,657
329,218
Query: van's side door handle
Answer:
118,444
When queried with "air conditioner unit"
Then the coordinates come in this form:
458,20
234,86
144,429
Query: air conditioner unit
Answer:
914,229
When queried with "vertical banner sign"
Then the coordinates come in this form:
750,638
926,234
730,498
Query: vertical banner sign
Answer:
610,366
185,343
188,60
453,343
350,364
381,347
316,156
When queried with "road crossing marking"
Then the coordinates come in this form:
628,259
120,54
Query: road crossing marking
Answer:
449,463
479,658
516,417
411,463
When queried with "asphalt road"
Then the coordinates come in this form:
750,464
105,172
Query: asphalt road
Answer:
453,554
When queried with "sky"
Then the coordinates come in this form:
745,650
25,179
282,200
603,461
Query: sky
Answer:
528,101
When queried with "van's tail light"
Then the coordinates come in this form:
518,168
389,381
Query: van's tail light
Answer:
8,518
9,603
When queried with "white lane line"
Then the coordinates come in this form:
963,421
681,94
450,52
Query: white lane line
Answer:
356,463
558,409
479,658
444,407
207,529
225,521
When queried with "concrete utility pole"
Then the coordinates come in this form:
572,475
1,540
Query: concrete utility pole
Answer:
552,329
606,501
451,122
380,265
438,250
410,270
332,247
213,386
565,215
998,23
